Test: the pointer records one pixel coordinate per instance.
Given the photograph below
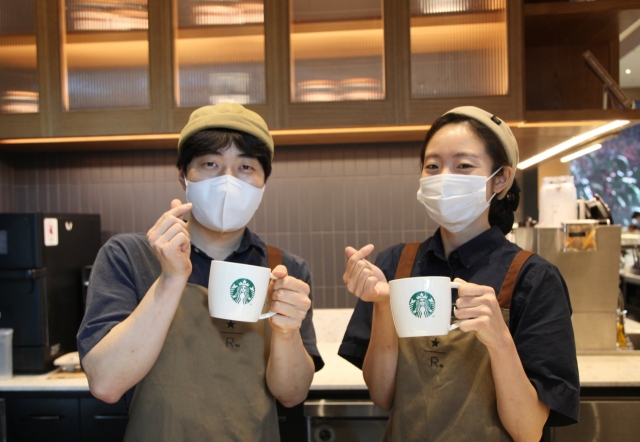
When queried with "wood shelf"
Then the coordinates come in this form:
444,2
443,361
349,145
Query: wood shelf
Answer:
578,115
559,8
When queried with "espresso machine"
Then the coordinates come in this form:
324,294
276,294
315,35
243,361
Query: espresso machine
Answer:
41,261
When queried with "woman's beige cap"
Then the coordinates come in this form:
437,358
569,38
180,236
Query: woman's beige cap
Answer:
502,131
227,116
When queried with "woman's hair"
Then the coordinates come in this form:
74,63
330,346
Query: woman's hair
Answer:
501,212
209,141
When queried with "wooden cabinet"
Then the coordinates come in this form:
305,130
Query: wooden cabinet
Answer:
360,62
559,84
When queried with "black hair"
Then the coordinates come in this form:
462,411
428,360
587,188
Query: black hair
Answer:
209,141
501,212
635,214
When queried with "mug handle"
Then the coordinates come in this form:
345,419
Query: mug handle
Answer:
455,285
268,314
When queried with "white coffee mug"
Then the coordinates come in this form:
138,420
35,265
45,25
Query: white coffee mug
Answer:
238,291
422,306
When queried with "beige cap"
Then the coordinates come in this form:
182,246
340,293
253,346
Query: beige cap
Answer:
227,116
502,131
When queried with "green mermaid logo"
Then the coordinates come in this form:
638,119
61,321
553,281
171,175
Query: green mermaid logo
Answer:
422,304
242,291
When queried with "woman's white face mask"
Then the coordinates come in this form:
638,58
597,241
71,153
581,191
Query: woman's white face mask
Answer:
455,201
224,203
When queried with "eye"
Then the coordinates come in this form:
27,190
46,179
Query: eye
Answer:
246,167
209,164
430,166
465,166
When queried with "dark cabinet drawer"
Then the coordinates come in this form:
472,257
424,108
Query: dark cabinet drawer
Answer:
42,419
102,422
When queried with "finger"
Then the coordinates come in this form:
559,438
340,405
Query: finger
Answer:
474,301
178,245
174,212
355,258
473,312
280,272
170,224
352,281
288,310
369,289
470,289
296,299
172,231
293,284
362,279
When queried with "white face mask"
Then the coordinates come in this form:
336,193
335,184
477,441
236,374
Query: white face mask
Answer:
455,201
223,203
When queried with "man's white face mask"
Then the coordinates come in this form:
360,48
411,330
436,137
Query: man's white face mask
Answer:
455,201
223,203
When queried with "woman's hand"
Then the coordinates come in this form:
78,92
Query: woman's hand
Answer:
290,299
364,279
170,242
478,306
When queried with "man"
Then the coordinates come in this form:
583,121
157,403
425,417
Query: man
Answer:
147,323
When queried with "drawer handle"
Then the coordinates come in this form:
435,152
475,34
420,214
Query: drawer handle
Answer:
106,417
36,417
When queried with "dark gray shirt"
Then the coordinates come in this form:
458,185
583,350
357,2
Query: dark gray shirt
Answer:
126,268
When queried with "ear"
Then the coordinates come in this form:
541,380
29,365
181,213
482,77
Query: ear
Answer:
502,178
181,177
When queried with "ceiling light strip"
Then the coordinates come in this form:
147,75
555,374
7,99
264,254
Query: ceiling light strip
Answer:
575,141
579,153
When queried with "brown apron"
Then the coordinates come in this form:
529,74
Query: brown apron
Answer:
209,380
444,385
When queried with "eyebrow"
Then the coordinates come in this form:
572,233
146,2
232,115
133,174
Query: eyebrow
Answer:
241,155
457,155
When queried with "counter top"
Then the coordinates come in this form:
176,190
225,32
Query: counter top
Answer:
596,370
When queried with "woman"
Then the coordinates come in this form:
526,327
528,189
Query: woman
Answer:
511,367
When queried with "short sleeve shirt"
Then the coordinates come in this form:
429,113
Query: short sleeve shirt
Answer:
126,268
540,313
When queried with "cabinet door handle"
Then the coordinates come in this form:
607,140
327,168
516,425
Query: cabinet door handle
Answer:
105,417
37,417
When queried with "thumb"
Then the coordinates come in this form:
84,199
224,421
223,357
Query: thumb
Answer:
460,280
280,271
175,203
349,251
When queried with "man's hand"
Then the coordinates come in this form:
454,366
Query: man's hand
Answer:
290,299
170,242
478,305
364,279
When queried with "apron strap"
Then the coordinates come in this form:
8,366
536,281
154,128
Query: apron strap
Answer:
506,291
274,257
406,260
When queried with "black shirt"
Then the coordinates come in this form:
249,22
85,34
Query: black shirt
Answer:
540,313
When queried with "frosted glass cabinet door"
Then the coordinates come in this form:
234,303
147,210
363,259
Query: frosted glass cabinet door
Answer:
18,59
105,54
219,52
336,50
459,48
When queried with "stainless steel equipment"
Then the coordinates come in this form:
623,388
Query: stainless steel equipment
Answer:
603,420
344,420
592,276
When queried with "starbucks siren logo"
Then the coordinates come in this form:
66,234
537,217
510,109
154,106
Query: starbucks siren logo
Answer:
422,304
242,291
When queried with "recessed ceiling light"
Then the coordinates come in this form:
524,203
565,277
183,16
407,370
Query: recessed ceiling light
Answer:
628,71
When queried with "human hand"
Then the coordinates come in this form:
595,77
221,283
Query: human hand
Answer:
364,279
478,306
170,242
290,300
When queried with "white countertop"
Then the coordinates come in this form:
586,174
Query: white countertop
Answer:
598,370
